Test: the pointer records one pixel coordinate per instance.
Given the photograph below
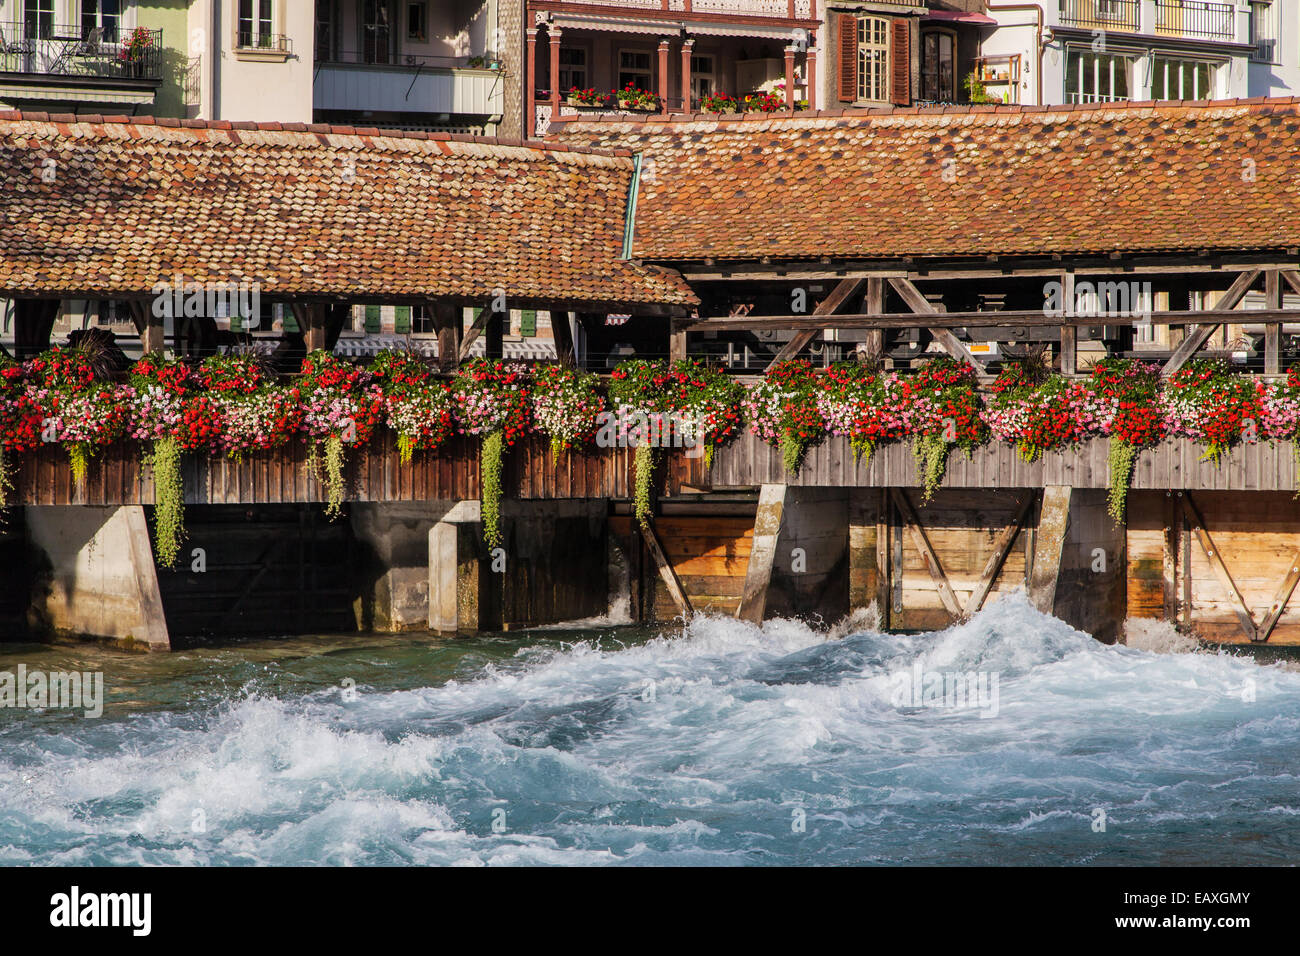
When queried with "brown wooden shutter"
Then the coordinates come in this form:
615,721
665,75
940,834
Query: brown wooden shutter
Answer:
900,86
848,30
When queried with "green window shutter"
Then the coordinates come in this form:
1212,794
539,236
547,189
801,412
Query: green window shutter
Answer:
477,313
402,320
236,322
290,321
528,322
372,318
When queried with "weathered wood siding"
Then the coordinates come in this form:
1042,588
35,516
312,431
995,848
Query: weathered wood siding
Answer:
1174,464
709,554
1169,575
373,473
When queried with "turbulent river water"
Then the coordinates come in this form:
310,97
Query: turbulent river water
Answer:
722,743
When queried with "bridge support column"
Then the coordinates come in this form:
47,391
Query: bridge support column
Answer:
393,580
799,562
95,576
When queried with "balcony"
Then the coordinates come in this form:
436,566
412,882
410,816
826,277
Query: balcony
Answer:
45,50
456,86
785,9
1101,14
1196,20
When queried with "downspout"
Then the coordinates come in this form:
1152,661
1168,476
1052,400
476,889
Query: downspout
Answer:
629,222
215,54
1038,39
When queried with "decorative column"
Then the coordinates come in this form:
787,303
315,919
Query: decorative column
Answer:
663,76
688,46
530,86
789,77
554,33
810,78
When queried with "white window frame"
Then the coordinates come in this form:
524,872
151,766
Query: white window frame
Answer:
97,18
1265,30
423,36
956,84
262,30
698,92
1077,55
585,67
1160,63
874,59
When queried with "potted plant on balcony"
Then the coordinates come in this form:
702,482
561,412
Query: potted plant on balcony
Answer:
636,100
577,97
135,49
718,103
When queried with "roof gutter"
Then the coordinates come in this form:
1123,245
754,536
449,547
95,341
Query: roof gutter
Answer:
629,220
1038,39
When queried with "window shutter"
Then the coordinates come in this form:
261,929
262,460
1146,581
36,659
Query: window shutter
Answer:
901,50
290,321
372,319
848,28
402,320
528,322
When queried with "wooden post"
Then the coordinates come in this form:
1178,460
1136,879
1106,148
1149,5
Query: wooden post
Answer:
789,77
1049,546
530,86
153,336
951,344
762,554
447,323
842,292
810,79
882,558
663,76
922,544
1001,548
311,322
1272,330
494,334
553,34
1220,569
676,346
876,306
1195,340
1069,334
688,47
666,572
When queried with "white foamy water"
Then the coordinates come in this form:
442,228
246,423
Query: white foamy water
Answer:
725,744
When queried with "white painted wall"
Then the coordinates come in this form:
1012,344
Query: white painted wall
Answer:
242,85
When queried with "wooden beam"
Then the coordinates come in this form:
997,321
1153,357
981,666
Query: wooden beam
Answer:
875,303
919,304
447,321
762,553
882,558
666,572
562,332
1036,318
1218,567
922,544
1194,342
311,321
1001,548
842,292
153,337
1049,547
1272,330
1280,600
472,333
1169,557
1068,352
676,346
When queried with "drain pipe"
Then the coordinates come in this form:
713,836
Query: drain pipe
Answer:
1038,39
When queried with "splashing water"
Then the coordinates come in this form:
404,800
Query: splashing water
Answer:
722,744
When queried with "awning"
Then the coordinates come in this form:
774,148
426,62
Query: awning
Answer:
960,16
664,28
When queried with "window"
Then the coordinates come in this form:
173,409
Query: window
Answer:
1096,78
703,82
102,15
1264,30
873,58
377,36
327,19
634,68
38,18
254,27
938,73
415,21
573,68
1181,79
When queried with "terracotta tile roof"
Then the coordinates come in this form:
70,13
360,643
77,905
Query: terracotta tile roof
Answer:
964,181
314,210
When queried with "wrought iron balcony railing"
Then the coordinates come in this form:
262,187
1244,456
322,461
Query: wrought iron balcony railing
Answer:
47,49
1200,20
1101,14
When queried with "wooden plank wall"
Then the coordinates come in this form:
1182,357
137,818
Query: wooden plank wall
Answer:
1174,464
373,473
1169,576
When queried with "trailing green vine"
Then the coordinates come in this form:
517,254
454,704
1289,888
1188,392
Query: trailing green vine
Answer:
1121,458
334,484
79,462
490,464
644,465
168,499
7,478
931,453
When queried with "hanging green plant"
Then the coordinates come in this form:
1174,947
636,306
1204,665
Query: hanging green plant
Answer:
490,466
79,462
6,478
333,476
644,465
1121,457
931,453
168,499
